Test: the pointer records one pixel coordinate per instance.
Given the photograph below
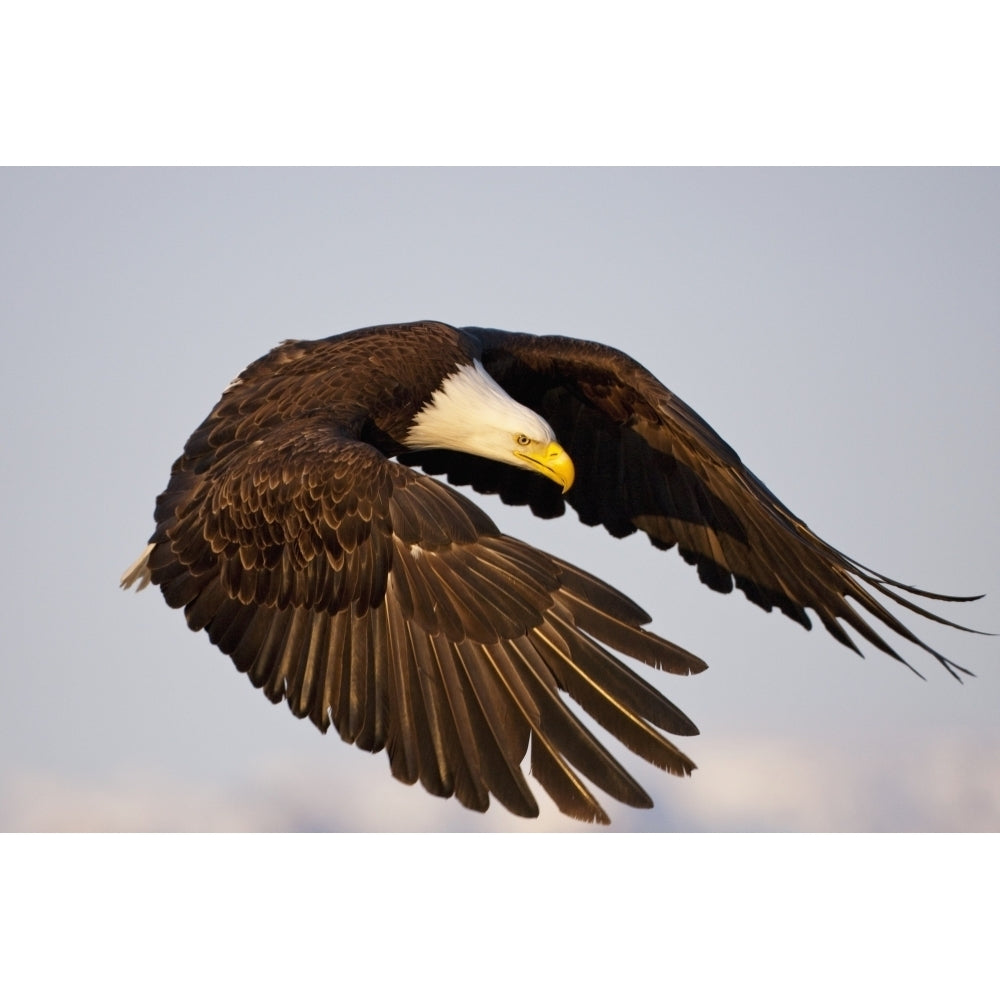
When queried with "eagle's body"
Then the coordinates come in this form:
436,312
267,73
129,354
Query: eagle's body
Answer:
377,598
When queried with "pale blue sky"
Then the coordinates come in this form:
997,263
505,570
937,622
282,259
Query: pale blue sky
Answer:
841,329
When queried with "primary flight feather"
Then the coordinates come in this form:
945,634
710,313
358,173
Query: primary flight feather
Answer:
379,600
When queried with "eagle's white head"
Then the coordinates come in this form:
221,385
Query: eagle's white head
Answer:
469,412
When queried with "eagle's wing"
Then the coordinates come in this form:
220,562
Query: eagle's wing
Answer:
645,460
378,599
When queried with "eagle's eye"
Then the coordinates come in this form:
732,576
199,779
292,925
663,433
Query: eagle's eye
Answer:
522,440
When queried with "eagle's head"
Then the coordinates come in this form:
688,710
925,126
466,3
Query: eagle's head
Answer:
469,412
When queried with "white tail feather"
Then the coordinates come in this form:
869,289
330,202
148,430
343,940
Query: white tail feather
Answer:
139,570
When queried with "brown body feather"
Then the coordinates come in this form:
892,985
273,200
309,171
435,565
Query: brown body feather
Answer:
380,600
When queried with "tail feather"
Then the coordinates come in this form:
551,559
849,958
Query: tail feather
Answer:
138,571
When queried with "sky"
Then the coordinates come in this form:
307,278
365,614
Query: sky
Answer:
839,328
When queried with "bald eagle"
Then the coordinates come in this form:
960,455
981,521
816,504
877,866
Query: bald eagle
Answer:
295,531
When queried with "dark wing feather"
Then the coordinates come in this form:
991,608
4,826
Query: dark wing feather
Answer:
381,601
646,461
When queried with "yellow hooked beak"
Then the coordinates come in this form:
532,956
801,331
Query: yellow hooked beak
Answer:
551,461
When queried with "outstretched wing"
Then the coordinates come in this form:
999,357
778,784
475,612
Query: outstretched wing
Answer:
646,461
381,601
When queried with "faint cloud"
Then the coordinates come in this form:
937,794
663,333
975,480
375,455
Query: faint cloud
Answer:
953,785
286,795
752,785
